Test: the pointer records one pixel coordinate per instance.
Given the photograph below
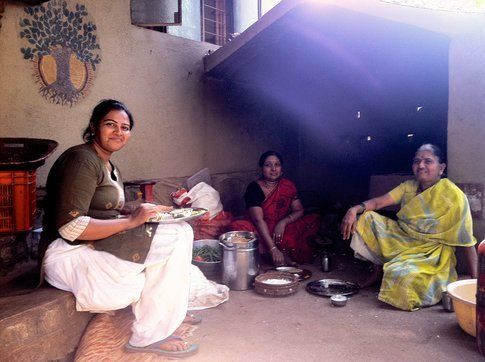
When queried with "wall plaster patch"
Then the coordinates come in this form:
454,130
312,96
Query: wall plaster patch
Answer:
62,45
2,9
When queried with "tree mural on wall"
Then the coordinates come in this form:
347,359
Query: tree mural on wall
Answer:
63,47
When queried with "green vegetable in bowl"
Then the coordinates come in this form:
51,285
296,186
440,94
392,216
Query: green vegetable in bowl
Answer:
206,253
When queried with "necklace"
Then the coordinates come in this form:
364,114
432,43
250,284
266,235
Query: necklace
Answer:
270,185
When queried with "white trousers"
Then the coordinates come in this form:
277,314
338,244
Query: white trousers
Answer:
158,290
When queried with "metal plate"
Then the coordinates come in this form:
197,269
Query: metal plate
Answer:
302,274
195,213
329,287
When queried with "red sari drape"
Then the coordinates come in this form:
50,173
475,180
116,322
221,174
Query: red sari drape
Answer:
276,206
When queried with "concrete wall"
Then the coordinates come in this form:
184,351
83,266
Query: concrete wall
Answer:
182,124
466,121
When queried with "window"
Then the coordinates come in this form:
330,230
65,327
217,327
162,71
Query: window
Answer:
217,23
156,14
265,5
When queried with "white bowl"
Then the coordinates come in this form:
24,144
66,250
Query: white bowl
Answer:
463,293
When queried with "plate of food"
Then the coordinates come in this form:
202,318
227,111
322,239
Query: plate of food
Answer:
329,287
178,215
302,274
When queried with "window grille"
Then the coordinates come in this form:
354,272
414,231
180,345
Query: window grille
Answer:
216,21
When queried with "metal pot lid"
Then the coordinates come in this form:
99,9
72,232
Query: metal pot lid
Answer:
239,239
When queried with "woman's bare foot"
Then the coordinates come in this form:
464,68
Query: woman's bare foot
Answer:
176,344
374,277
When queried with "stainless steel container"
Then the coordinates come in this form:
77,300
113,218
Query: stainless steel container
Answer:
240,259
325,262
447,302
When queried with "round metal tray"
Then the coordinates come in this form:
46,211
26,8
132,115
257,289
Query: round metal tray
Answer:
329,287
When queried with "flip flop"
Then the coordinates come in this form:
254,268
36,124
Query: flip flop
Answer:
193,319
191,349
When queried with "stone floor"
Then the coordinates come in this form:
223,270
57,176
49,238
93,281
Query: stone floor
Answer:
304,327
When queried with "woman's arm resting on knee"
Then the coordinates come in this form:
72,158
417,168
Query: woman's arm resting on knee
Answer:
297,211
472,260
347,227
257,216
295,214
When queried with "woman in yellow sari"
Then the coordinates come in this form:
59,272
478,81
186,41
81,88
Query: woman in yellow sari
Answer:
415,254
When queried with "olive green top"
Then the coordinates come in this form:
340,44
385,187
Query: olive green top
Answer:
79,184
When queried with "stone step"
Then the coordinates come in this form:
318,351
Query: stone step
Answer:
42,325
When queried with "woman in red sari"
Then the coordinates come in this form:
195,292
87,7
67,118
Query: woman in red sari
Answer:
275,213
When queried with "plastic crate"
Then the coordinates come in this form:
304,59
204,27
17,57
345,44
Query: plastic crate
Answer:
17,200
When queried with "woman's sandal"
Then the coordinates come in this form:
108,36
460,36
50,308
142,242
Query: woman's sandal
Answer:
192,319
190,349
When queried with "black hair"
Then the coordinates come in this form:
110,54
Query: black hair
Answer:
99,112
265,155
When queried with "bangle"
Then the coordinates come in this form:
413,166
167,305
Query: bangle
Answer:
274,247
363,207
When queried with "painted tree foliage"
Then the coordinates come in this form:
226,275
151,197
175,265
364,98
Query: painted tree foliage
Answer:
63,47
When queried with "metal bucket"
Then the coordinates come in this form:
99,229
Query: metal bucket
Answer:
240,260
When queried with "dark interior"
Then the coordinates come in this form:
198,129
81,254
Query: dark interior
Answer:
308,74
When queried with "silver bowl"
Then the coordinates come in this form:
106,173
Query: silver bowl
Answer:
338,300
211,269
